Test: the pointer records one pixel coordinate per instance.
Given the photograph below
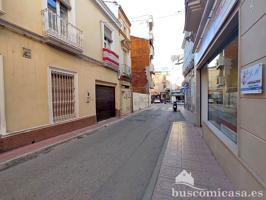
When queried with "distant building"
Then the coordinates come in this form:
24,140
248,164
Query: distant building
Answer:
125,58
142,70
162,87
142,53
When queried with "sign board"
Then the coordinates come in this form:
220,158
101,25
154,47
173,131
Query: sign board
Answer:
251,79
26,53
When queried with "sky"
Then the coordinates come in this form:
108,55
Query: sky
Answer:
168,29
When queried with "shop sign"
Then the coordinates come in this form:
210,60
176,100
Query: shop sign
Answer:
251,79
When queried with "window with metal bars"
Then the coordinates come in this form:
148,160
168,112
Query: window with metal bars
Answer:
63,95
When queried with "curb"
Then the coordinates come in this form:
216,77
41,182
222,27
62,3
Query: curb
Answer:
29,155
155,174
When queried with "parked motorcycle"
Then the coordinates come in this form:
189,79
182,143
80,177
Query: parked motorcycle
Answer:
175,106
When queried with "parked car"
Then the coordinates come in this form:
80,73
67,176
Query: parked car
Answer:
157,101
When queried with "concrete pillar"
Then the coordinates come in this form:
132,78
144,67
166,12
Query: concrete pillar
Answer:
204,94
198,97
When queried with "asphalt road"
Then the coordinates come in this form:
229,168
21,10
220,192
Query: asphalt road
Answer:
113,163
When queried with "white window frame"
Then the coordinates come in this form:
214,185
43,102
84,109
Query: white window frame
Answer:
233,147
50,105
71,14
2,98
103,25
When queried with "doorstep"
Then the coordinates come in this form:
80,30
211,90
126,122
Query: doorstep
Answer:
186,150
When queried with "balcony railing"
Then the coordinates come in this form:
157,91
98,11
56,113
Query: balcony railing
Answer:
125,70
60,30
111,58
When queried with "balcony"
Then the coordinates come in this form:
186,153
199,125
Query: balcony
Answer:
59,32
125,71
111,59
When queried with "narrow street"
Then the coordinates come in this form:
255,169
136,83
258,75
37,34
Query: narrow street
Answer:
114,162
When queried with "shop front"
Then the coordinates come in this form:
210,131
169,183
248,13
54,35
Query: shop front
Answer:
218,63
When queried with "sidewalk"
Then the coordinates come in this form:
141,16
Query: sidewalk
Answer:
7,158
186,150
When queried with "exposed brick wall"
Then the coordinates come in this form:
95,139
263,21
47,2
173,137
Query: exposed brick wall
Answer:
140,59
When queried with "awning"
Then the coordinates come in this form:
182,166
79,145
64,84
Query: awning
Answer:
177,94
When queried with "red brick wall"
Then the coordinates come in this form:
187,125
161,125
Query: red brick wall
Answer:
140,59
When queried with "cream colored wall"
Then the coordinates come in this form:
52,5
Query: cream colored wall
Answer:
236,171
26,13
121,37
126,101
26,80
127,26
140,101
252,108
88,19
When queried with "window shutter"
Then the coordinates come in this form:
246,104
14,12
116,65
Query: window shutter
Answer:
108,34
52,4
66,3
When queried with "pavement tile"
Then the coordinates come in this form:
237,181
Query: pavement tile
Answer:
166,192
193,155
190,157
191,165
189,151
162,197
169,163
169,172
165,183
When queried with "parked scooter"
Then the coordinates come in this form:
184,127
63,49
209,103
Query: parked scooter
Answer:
175,106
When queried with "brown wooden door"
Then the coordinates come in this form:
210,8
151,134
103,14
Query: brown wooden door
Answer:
105,102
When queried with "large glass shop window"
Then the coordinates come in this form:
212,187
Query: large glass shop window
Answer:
223,90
